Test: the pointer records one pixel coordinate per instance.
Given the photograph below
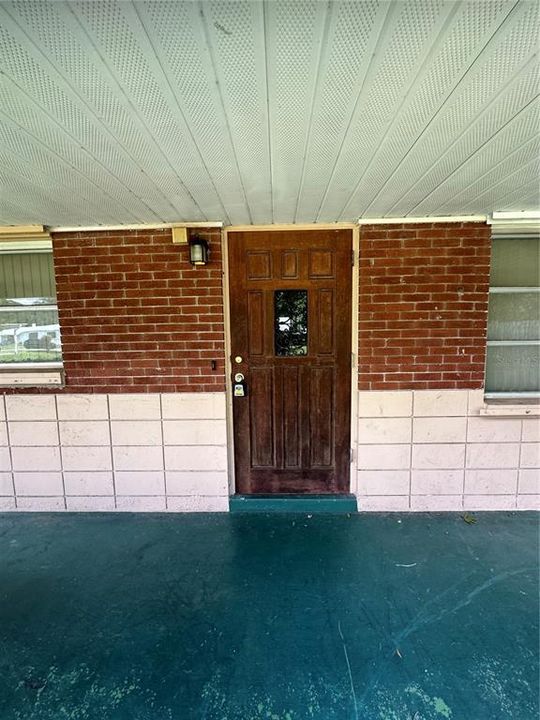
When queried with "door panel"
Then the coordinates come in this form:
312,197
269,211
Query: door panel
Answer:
261,401
291,417
290,297
321,418
255,323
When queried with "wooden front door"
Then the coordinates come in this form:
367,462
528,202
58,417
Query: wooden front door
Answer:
290,298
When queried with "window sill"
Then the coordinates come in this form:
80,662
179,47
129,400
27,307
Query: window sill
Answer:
511,407
31,377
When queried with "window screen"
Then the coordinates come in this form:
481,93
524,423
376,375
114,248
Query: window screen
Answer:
513,352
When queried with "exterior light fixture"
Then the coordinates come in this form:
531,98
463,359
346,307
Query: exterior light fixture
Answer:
199,251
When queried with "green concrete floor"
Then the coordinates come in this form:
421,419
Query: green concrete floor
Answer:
268,617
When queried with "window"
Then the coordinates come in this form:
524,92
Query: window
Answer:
291,322
513,348
29,329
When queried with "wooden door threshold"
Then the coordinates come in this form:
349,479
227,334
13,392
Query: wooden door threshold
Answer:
341,504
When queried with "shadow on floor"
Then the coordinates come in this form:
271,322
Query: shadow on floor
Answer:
268,617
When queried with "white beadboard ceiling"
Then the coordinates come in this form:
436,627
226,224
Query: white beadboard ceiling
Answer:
266,112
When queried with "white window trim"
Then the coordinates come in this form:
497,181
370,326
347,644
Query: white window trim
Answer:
31,378
513,404
499,407
29,239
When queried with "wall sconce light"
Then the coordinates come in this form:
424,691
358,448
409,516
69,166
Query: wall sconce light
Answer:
199,251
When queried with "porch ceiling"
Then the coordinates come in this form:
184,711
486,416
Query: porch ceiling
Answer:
250,112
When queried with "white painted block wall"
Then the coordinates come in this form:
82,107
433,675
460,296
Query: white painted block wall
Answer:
417,450
433,450
140,452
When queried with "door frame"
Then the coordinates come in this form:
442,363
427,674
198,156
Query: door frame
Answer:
355,229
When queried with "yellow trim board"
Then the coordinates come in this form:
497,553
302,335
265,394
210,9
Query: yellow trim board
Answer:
23,232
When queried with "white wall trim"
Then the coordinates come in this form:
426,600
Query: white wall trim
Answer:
142,226
354,335
513,228
228,363
26,378
291,226
423,219
354,360
516,410
507,215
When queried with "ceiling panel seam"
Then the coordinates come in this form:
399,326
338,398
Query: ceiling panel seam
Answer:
236,36
20,209
534,163
515,78
493,163
49,157
512,77
389,16
345,63
479,148
512,200
61,79
293,30
492,167
433,117
403,47
65,133
532,197
136,117
268,107
204,24
445,28
73,140
38,194
174,98
45,179
439,111
323,49
267,111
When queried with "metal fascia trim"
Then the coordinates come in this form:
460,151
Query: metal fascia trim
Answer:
424,219
153,226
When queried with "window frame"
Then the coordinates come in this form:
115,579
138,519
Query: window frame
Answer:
30,374
514,397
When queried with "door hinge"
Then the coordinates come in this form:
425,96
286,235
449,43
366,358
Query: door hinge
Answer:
351,455
352,258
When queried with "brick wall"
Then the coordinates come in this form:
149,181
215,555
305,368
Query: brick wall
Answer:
135,316
423,305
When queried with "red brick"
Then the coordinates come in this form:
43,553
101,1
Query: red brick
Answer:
436,277
135,316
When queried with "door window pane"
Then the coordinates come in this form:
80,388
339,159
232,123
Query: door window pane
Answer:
291,322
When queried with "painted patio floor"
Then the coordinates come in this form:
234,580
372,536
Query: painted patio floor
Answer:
268,617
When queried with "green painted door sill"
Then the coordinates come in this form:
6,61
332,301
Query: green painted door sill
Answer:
339,504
